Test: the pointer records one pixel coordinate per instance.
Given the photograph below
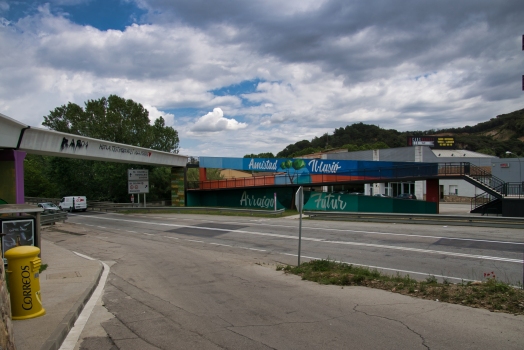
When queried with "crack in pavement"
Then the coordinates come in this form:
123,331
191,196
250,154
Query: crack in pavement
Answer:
204,336
394,320
131,331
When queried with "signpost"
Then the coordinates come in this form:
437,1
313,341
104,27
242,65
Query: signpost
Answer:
138,182
138,187
137,174
299,203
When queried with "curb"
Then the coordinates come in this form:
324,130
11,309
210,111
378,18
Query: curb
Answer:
56,338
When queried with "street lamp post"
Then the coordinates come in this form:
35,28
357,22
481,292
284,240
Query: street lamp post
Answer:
520,173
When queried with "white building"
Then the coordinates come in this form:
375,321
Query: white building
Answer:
450,190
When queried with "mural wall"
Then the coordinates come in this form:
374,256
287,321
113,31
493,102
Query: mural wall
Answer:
301,171
250,198
367,204
325,201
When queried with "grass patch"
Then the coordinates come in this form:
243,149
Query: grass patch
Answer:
490,294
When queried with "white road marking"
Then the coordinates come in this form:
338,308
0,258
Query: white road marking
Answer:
192,240
223,245
149,234
258,250
75,332
252,222
320,240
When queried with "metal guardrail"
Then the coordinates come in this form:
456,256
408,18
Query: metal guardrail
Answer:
36,200
423,219
52,218
108,205
205,209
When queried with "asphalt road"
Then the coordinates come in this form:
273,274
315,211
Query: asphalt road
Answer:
209,282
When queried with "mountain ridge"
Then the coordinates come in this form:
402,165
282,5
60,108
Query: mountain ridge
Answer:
497,136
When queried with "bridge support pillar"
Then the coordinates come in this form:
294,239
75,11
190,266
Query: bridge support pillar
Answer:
432,192
12,175
178,190
203,174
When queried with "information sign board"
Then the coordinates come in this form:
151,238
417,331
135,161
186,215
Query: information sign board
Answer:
138,187
17,232
137,174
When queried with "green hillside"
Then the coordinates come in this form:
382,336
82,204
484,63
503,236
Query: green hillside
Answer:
496,136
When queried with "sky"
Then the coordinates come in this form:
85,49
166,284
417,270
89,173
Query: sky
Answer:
236,77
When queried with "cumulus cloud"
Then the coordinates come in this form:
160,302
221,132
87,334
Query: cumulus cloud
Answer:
215,121
154,114
318,65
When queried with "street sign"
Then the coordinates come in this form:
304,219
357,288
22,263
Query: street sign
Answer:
299,199
138,187
137,174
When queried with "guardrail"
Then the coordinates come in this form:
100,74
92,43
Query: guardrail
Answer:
205,209
424,219
52,218
36,200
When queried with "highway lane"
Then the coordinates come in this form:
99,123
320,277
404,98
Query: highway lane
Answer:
209,282
451,252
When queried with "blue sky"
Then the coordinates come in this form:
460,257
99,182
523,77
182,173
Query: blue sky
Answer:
103,15
237,77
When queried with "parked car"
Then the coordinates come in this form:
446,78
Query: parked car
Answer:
49,207
73,203
406,196
380,195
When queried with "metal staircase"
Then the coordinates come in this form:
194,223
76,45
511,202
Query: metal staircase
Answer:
495,189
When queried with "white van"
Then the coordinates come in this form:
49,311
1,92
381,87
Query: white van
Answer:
73,203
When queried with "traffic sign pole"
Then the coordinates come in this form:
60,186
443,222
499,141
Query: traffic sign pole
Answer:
299,202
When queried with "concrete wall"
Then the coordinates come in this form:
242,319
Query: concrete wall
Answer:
7,340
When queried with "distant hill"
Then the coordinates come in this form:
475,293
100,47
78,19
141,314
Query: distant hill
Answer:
496,136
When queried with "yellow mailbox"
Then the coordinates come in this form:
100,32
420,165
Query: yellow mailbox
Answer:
23,269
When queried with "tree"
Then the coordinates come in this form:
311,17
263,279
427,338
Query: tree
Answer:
112,119
193,176
260,155
296,164
37,182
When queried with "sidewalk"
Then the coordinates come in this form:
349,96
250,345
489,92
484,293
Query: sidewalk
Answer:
66,286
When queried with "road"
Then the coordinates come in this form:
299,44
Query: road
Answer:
209,282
